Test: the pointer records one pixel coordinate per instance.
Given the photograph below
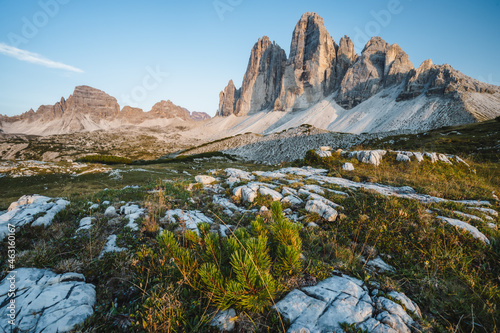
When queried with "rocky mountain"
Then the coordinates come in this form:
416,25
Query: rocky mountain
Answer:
321,83
262,82
90,109
200,116
378,90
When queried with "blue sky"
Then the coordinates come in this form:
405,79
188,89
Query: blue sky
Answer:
144,51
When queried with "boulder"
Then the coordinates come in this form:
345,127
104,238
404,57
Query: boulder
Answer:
27,208
343,299
276,196
322,209
369,156
379,265
348,166
403,158
323,153
110,212
45,301
224,320
205,180
292,200
188,218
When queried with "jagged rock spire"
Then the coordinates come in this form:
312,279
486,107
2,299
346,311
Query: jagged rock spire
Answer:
261,83
310,68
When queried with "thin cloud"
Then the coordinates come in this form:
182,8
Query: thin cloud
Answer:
34,58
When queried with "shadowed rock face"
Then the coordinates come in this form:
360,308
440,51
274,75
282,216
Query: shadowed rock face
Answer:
345,58
310,69
228,98
380,65
133,115
261,84
441,80
262,80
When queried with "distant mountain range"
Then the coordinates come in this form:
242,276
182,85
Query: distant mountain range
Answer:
320,83
379,90
89,109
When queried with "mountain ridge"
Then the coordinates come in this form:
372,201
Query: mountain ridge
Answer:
92,109
319,69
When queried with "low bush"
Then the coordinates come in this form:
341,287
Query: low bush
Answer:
243,271
104,159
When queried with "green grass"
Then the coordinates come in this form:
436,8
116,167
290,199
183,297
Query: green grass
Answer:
456,181
164,283
64,185
448,273
184,158
477,141
104,159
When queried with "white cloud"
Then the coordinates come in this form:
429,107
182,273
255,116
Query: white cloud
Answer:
34,58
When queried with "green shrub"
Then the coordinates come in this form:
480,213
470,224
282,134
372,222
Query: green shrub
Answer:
104,159
240,271
312,158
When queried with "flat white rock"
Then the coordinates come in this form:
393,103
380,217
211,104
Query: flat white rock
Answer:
224,320
341,299
403,192
288,190
26,208
111,246
485,210
305,171
469,216
322,209
276,196
47,302
467,227
403,158
240,174
205,180
110,212
314,188
348,166
226,204
270,174
189,218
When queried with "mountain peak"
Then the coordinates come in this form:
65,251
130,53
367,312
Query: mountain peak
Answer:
311,16
261,83
167,109
375,44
